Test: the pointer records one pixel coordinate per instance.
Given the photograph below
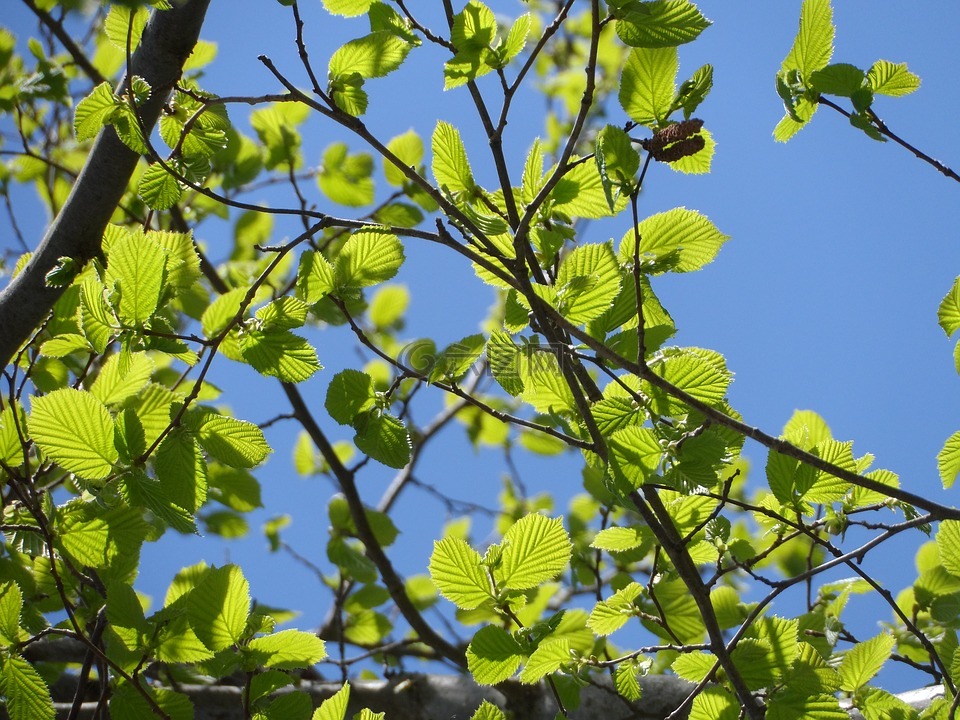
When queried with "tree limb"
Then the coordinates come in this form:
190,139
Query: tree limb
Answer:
77,231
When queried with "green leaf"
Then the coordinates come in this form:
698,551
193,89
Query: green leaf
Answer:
948,460
345,178
347,8
700,162
580,192
136,265
887,78
123,22
27,695
611,614
693,91
647,85
635,454
73,428
493,655
384,438
222,311
371,56
236,443
948,314
617,161
181,470
661,23
121,377
159,188
280,354
516,38
11,603
620,539
458,574
408,149
315,277
388,305
626,681
349,394
840,79
864,660
94,111
813,46
288,649
793,705
455,360
948,543
535,549
680,239
335,706
109,540
547,658
503,356
218,607
368,258
715,703
127,703
488,711
11,429
450,165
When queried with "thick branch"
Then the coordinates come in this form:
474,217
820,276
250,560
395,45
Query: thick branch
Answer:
77,231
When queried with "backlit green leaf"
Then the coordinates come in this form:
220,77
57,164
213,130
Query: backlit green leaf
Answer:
450,165
647,85
347,8
535,549
315,277
122,376
408,149
182,470
887,78
334,707
546,659
840,79
288,649
344,178
350,393
493,655
456,570
813,46
661,23
488,711
136,268
74,429
27,695
94,111
236,443
611,614
280,354
384,438
123,22
369,257
948,460
159,188
11,603
635,454
218,607
864,660
682,239
948,314
371,56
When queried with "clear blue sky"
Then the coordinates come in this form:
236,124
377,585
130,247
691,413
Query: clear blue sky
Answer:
825,298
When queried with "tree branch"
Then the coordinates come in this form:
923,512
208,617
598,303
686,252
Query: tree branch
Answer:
77,230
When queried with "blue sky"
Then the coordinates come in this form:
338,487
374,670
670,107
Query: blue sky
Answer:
825,298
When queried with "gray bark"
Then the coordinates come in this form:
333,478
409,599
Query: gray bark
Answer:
77,230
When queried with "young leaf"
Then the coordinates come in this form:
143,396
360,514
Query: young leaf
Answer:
280,354
611,614
661,23
864,661
76,430
347,8
588,280
122,23
371,56
887,78
535,549
94,111
948,460
456,570
345,178
315,277
626,681
450,165
136,268
488,711
635,454
11,603
384,438
408,149
547,658
349,394
813,46
369,257
159,188
335,706
948,314
121,377
288,650
27,695
181,470
493,655
682,240
236,443
840,79
647,85
218,607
